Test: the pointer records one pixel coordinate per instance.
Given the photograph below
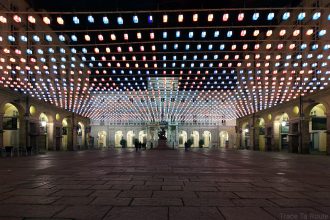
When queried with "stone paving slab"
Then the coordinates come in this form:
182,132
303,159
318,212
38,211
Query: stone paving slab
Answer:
200,184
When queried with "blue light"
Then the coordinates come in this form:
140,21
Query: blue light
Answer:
229,33
105,20
61,38
222,47
216,34
23,38
135,19
303,46
255,16
176,46
150,19
210,47
316,15
322,32
120,20
187,46
165,34
164,47
11,38
75,20
191,34
315,47
36,38
177,34
74,38
203,35
90,19
199,47
286,16
301,16
270,16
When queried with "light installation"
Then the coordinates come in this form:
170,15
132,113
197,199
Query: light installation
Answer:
187,66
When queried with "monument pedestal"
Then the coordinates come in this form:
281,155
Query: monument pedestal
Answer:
162,145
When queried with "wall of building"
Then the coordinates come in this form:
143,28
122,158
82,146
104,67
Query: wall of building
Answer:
298,115
99,130
30,131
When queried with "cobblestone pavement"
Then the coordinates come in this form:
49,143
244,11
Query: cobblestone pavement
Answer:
172,184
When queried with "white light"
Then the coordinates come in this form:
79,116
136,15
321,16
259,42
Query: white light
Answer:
270,16
316,15
43,123
135,19
322,32
90,19
286,16
191,34
177,34
120,20
229,33
164,34
255,16
216,34
105,20
195,17
301,16
246,130
203,35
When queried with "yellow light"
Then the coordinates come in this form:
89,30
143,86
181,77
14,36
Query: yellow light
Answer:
87,37
180,18
195,17
282,32
60,20
113,37
46,20
139,35
31,19
210,17
165,18
296,33
269,33
3,19
310,32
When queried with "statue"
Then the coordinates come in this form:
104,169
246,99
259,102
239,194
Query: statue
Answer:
161,134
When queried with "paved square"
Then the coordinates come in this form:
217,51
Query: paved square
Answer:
196,184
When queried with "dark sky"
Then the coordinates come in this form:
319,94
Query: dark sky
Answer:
114,5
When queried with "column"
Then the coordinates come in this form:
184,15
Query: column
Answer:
1,130
304,139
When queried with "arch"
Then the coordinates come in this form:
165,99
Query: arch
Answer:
81,134
183,137
195,138
11,125
224,138
143,137
207,138
65,133
101,139
262,133
130,138
281,131
118,137
318,128
245,135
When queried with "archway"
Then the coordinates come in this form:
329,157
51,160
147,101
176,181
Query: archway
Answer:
195,138
262,133
143,137
81,135
65,131
43,132
207,139
101,139
245,135
224,139
318,128
11,126
281,131
130,138
118,137
183,137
